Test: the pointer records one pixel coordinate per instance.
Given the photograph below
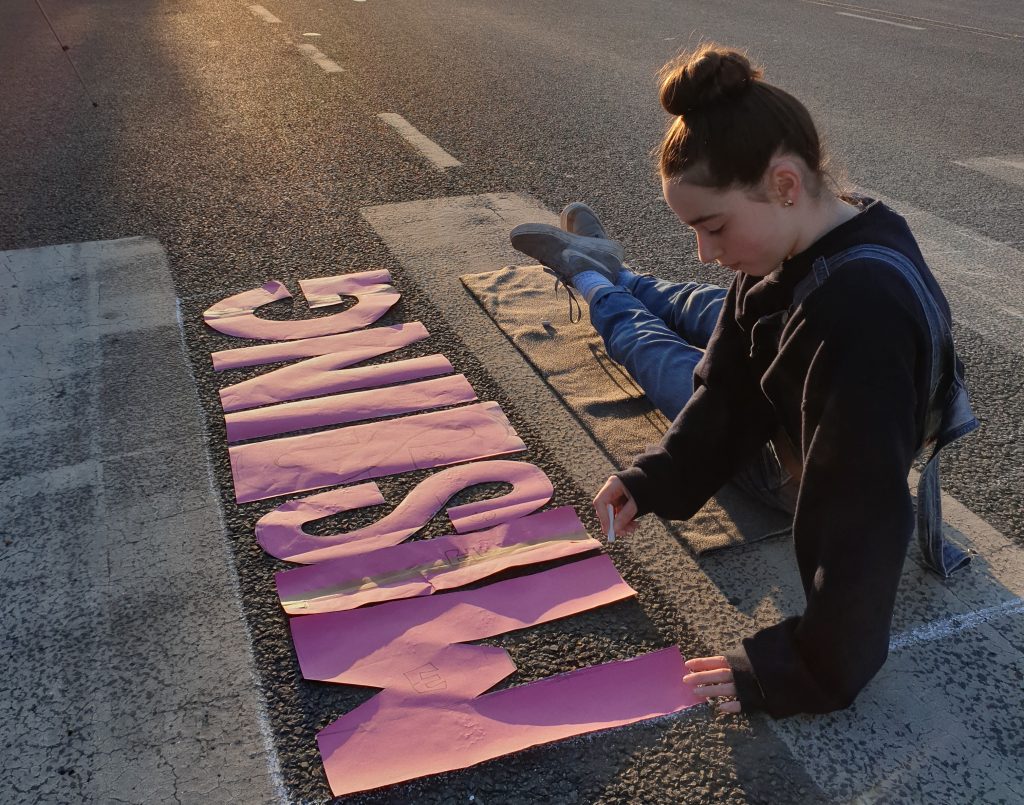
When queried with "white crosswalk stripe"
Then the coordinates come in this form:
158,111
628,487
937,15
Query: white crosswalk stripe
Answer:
983,279
1008,168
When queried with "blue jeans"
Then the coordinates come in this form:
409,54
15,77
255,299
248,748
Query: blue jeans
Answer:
658,331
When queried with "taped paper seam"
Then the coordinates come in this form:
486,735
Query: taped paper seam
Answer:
422,568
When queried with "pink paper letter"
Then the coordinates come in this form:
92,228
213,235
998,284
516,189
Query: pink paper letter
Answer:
374,296
326,375
280,532
358,346
360,452
425,726
374,646
338,409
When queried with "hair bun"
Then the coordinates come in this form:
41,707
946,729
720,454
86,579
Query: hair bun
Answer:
709,75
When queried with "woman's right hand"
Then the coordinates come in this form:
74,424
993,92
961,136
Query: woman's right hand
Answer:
614,492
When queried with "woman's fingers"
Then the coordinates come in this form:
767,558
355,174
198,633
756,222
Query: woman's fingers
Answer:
605,496
615,494
624,518
707,663
725,689
711,677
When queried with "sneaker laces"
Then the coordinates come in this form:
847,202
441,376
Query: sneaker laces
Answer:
572,297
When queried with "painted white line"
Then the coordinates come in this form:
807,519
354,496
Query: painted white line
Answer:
266,731
431,150
260,11
876,19
1007,168
983,279
326,64
936,630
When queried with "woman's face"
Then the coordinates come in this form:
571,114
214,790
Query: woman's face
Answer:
733,227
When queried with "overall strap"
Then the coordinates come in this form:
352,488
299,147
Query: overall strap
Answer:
948,415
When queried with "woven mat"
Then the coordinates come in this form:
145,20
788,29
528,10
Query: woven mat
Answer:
603,396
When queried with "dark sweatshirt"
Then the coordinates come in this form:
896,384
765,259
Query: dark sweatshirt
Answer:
844,375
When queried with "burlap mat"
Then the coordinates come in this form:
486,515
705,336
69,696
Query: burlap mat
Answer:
603,396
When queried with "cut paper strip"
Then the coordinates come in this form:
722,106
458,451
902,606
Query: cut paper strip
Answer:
375,646
236,314
325,291
355,406
327,375
403,734
280,532
422,568
244,303
361,452
358,346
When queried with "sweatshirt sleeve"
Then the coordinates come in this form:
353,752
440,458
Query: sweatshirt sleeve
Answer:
854,517
723,425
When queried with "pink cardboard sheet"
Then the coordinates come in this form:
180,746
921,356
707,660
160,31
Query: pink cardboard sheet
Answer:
280,532
358,346
326,375
361,452
376,646
428,725
422,568
236,314
354,406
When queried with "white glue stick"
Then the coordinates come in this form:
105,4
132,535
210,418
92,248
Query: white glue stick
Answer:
611,523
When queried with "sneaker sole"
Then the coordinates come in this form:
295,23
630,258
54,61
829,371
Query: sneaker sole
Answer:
569,209
569,240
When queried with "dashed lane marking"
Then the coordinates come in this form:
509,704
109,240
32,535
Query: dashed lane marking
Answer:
325,64
265,15
432,151
926,21
876,19
1007,168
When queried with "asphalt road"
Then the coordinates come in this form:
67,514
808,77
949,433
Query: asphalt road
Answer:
214,134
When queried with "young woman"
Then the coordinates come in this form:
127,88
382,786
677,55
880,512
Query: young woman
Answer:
813,381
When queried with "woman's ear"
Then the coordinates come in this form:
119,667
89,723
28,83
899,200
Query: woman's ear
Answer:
785,181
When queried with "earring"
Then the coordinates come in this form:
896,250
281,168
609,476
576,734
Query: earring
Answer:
788,202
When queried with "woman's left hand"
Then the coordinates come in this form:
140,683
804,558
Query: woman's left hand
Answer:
711,677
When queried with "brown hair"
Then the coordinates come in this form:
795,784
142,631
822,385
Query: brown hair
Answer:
729,123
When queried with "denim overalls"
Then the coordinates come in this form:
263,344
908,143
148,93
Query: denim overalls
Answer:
949,415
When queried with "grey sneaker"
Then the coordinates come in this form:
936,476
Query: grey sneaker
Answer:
580,219
564,255
567,254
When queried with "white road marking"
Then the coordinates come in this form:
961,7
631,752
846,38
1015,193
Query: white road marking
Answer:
876,19
266,731
427,147
260,11
326,64
932,23
936,630
983,279
1007,168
